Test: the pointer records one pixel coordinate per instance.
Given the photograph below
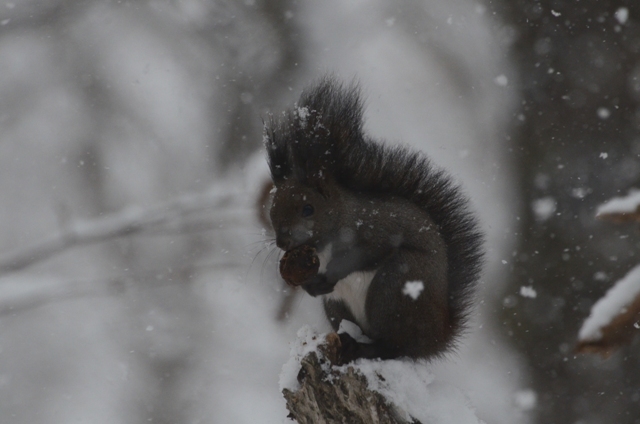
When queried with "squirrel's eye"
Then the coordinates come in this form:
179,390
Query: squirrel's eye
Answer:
307,210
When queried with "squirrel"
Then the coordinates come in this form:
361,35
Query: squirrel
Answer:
400,252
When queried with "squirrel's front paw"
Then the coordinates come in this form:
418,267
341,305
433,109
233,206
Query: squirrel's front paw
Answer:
318,285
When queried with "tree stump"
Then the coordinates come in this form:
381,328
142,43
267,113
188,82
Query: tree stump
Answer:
336,395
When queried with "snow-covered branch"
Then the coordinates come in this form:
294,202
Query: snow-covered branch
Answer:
182,214
614,319
621,209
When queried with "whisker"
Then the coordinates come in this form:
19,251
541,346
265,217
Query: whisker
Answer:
261,240
266,244
273,250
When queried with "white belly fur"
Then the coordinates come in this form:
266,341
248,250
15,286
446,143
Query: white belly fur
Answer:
352,290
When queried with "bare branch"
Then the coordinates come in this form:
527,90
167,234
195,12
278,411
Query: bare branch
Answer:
174,214
24,293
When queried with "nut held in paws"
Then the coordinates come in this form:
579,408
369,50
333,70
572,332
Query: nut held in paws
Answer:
299,264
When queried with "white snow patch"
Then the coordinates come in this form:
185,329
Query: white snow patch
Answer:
544,208
526,399
611,305
528,291
603,113
352,329
580,192
604,155
625,204
554,13
413,289
411,387
600,276
307,341
303,113
501,80
622,15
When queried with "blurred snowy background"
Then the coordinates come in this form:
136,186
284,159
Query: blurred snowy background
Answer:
117,111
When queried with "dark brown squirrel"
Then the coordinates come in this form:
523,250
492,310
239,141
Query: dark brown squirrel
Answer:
400,252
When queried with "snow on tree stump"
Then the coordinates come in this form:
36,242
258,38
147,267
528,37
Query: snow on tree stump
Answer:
330,394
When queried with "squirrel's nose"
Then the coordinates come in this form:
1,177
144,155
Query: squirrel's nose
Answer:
283,239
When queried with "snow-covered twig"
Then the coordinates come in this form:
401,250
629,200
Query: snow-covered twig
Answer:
613,318
132,220
621,209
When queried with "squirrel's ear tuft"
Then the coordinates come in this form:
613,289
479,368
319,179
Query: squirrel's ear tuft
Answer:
278,152
328,122
318,134
334,107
